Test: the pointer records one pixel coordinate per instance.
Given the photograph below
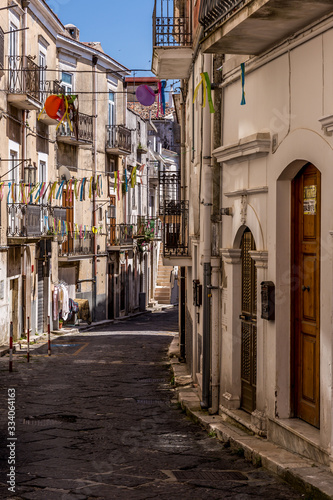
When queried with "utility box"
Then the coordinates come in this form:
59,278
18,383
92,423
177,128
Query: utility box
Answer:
268,300
142,301
197,293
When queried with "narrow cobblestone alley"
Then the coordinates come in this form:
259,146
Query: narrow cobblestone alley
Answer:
98,420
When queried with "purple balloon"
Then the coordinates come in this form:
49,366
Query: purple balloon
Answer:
145,95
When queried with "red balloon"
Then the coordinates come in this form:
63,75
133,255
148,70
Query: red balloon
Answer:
52,106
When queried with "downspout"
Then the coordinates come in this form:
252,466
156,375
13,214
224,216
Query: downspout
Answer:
182,274
215,260
25,5
206,207
95,111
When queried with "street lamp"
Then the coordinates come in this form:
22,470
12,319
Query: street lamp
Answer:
30,173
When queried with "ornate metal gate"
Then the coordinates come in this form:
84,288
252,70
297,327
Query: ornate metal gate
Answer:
249,325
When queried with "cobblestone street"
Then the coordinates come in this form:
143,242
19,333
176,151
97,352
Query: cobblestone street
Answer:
99,420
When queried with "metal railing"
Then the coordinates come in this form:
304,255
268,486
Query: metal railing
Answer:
26,220
213,11
82,127
170,27
48,87
170,183
149,228
23,76
175,229
118,137
121,234
72,245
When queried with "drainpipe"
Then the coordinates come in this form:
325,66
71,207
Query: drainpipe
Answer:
182,274
206,207
25,5
94,62
215,261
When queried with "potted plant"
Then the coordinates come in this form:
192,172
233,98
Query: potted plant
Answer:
61,322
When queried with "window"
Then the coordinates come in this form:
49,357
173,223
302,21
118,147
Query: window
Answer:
110,164
67,82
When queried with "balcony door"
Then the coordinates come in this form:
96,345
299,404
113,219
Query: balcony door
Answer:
14,179
13,55
42,177
68,203
42,75
111,109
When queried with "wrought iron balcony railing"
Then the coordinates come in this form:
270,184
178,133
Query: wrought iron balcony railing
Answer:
77,246
169,187
121,234
175,229
29,221
213,11
148,228
82,128
48,87
23,76
118,137
171,27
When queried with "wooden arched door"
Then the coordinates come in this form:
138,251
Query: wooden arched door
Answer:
305,293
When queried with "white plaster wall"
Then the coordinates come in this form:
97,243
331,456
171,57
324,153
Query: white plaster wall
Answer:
286,96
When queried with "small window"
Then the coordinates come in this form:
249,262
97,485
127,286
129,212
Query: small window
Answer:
110,164
67,82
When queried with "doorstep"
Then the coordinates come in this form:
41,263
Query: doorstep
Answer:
298,436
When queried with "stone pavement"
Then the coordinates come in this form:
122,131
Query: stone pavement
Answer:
98,419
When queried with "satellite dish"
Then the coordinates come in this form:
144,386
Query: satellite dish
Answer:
64,173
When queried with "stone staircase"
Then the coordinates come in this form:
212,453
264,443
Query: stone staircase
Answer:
162,288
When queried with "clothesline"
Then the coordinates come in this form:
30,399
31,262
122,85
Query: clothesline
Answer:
28,193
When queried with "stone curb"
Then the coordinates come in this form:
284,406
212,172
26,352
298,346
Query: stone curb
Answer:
314,480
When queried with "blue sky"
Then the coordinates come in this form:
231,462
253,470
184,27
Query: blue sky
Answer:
124,27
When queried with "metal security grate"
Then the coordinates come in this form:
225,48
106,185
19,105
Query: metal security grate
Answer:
152,402
209,475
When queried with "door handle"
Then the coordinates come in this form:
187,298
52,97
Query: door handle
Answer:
245,317
305,288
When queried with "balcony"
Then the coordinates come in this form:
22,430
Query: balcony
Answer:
23,83
169,188
175,231
82,130
172,39
251,26
118,140
26,222
73,249
120,236
148,229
